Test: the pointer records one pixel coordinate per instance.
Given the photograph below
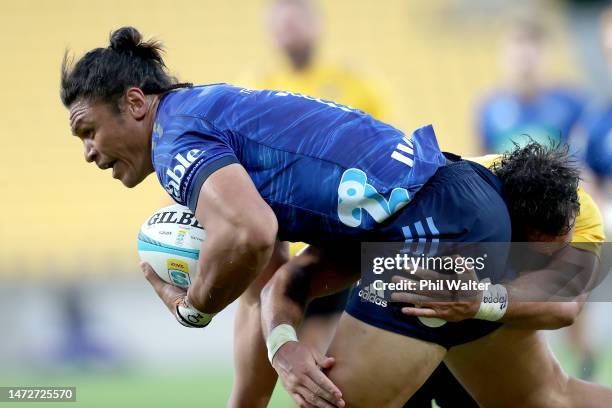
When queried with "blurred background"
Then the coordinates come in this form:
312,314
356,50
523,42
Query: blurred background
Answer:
74,307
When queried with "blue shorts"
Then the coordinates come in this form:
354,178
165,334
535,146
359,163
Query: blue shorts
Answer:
461,203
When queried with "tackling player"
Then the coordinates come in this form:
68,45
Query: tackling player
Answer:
384,374
522,317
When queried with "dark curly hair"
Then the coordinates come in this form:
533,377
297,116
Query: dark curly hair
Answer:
539,185
104,74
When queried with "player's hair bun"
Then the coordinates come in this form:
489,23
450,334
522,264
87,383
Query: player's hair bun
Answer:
125,39
129,40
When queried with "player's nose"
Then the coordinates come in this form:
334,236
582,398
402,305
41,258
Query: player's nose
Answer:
89,152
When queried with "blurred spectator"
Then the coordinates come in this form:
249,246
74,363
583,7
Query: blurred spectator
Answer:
527,104
296,28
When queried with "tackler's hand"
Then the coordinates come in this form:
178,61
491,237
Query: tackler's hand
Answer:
453,297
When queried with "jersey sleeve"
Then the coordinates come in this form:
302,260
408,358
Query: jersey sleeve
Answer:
588,230
186,151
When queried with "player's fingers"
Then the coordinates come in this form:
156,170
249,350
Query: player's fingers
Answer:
431,295
168,293
300,401
320,391
428,274
414,298
420,312
326,384
151,276
312,399
400,279
419,273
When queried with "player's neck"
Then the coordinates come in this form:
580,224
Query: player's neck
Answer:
152,111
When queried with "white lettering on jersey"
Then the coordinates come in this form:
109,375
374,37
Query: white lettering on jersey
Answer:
173,185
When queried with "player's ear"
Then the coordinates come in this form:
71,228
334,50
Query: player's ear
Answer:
136,103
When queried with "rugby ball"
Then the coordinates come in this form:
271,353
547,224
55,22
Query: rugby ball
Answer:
170,241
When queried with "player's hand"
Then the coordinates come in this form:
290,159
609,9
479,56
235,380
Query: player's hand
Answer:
299,368
448,304
171,295
175,299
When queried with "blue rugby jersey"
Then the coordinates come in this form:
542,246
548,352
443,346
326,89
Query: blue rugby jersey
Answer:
550,115
327,171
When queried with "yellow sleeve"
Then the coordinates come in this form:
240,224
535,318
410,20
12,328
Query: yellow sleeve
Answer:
295,247
485,161
588,229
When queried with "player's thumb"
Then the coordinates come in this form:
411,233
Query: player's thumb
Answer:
324,361
150,274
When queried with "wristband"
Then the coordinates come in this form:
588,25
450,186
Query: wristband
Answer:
189,316
494,303
280,335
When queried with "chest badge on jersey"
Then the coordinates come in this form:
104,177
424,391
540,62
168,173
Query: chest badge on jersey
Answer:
355,195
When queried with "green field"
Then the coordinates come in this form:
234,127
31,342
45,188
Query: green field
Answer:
194,388
207,388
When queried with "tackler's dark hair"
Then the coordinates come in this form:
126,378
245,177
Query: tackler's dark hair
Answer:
539,184
104,74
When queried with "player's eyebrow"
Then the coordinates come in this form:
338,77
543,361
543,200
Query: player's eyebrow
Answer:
78,126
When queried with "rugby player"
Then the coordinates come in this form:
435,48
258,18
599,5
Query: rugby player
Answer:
511,367
257,166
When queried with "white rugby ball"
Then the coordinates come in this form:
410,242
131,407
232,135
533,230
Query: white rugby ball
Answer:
170,240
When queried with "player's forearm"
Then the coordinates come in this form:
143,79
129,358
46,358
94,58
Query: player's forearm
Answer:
552,297
540,300
312,273
284,299
229,262
541,315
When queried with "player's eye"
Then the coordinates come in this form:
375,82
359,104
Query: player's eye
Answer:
88,133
